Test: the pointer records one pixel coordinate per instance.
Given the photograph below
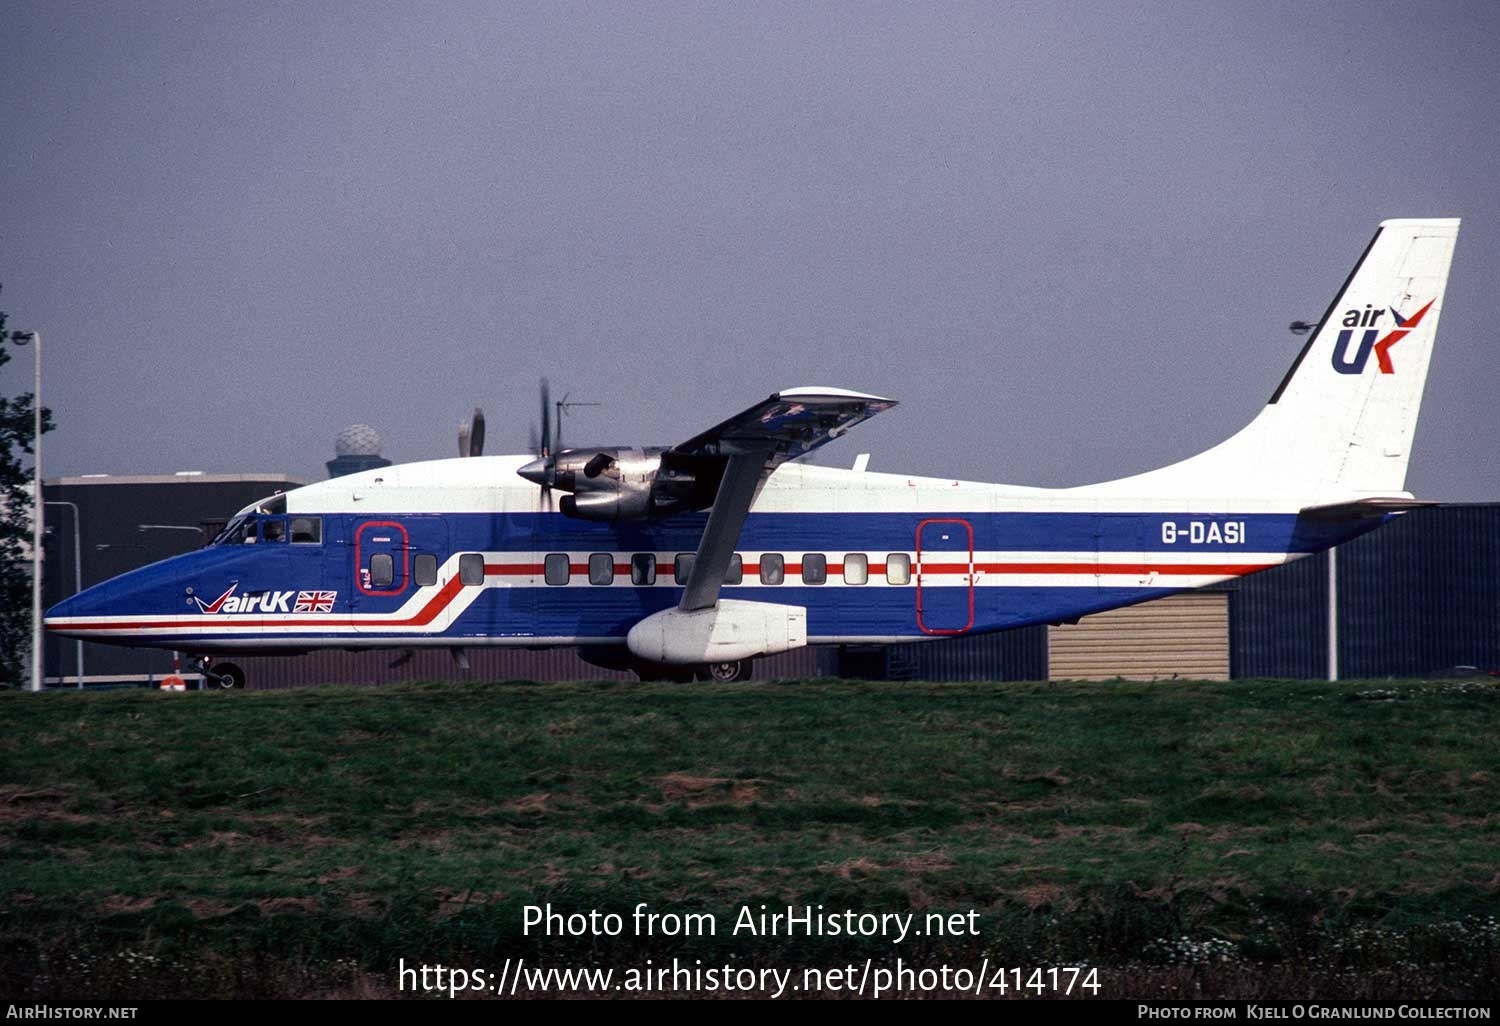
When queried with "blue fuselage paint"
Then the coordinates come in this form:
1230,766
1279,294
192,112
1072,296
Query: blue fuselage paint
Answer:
289,596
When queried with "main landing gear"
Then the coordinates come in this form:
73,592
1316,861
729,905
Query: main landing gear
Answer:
220,675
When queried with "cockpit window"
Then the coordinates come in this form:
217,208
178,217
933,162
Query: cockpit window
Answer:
233,534
273,529
243,528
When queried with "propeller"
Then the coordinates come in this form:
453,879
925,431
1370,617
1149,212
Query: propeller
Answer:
471,435
546,447
542,470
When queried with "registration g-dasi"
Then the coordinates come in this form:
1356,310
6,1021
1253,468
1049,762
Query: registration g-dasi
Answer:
1203,532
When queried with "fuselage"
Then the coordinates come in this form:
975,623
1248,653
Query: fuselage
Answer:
464,552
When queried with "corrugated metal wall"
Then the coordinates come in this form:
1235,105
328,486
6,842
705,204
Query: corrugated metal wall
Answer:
1178,636
1278,621
487,664
1418,595
1019,654
1422,594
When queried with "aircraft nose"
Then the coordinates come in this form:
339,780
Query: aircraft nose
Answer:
59,617
79,615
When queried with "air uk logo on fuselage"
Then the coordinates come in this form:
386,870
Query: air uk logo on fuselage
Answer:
1370,340
270,602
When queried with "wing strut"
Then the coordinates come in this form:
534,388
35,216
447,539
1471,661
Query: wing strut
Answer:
716,548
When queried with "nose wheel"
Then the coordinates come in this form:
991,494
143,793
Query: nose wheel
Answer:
221,675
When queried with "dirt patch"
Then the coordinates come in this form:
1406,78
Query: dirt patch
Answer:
221,839
857,869
1040,895
452,901
675,786
926,862
698,791
271,906
31,795
118,903
208,908
339,873
539,802
18,804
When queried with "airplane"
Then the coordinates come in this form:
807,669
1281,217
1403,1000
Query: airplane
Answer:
691,561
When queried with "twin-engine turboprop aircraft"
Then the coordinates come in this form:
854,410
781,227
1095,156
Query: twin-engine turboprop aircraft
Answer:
695,559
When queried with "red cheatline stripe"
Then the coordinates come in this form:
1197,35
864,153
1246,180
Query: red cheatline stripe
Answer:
423,617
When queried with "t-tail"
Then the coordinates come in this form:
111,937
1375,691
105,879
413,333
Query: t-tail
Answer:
1338,431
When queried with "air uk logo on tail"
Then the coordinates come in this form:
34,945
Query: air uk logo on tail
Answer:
1370,340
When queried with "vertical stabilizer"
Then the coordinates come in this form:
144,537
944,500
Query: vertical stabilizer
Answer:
1341,423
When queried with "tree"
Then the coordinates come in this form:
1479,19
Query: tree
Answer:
17,430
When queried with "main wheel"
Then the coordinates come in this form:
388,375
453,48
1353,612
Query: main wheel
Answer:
226,675
725,673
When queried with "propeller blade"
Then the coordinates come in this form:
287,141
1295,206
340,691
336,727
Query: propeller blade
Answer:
476,433
546,420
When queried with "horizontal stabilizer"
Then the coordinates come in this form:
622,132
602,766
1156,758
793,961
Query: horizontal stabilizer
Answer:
1360,509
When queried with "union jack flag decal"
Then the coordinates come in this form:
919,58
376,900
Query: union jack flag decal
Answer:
315,601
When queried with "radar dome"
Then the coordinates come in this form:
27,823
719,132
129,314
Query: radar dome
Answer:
357,440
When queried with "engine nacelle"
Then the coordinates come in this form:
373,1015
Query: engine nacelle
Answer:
627,484
607,484
611,504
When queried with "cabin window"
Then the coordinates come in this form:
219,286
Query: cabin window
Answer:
856,568
556,568
898,568
814,568
682,566
601,568
471,568
423,568
382,570
772,568
736,572
307,530
643,568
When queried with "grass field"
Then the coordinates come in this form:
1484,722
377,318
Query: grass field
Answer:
1256,838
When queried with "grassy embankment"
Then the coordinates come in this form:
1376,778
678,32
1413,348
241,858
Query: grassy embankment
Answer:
262,842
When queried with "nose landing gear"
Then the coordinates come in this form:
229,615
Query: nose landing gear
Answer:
221,675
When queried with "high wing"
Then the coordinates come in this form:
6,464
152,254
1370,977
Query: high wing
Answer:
782,427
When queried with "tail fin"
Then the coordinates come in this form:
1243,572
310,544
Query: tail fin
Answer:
1340,425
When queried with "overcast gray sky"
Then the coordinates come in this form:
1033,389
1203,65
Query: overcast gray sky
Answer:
1068,237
